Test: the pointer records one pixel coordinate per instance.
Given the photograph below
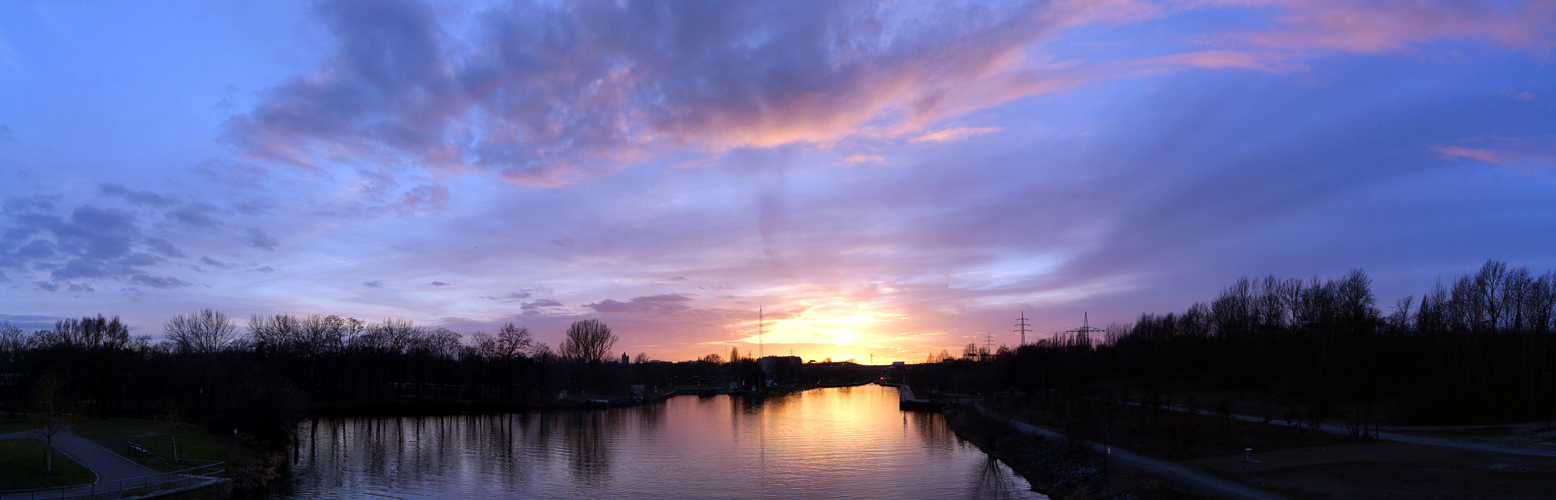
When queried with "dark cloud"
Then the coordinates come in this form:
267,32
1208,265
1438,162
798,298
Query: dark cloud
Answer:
257,206
146,198
163,282
195,216
214,263
163,247
93,243
534,308
425,197
677,278
373,284
37,203
546,94
439,283
29,322
47,286
258,239
263,269
658,304
512,296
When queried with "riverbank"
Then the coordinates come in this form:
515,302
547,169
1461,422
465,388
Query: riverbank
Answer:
1290,460
1062,470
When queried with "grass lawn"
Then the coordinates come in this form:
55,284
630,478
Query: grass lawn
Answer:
8,424
154,435
21,467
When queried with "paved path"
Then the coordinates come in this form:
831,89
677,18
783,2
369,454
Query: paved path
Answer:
108,465
1166,470
1387,436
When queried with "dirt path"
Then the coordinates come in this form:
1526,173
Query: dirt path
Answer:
1171,472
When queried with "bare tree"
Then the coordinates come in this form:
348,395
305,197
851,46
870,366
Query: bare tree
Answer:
49,400
205,331
641,358
513,342
588,341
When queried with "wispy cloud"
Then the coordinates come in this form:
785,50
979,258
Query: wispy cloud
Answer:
954,134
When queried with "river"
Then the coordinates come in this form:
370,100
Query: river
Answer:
849,442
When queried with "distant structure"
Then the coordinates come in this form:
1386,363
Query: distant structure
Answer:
1083,334
761,341
1021,326
625,359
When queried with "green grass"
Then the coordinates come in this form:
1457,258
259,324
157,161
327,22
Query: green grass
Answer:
154,435
21,467
9,425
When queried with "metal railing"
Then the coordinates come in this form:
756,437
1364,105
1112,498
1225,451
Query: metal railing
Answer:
185,478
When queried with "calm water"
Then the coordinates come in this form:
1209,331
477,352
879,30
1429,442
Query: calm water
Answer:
824,443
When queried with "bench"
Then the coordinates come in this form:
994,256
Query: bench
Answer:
137,449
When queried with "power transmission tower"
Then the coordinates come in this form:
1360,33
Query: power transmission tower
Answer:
1083,334
988,344
1021,326
872,359
761,340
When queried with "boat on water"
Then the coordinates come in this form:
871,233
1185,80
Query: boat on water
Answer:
906,401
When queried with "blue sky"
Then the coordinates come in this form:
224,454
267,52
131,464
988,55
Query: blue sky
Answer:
894,178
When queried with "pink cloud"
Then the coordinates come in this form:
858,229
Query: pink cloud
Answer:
954,134
1517,153
1457,152
857,159
1378,27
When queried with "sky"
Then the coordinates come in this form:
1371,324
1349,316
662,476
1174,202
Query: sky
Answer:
894,178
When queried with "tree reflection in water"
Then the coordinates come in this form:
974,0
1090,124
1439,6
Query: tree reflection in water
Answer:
817,444
994,482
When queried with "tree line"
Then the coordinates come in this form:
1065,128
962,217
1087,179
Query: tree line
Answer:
262,376
1475,350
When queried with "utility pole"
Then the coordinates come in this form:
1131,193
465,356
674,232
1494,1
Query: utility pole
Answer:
1021,326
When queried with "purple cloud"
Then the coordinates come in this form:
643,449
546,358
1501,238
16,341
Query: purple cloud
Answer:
543,95
258,239
538,306
655,304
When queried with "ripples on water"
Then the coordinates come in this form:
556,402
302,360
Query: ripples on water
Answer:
822,443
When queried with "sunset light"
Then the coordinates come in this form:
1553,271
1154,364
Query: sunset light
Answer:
778,249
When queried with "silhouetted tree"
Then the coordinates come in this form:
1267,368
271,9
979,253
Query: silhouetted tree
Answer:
588,341
205,331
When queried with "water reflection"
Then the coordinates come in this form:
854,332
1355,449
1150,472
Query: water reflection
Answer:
825,443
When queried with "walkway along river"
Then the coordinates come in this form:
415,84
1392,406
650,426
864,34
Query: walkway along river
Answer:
849,442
